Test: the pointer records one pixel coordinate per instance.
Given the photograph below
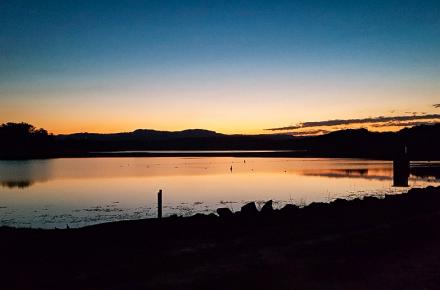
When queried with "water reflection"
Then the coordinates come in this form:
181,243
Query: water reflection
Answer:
16,183
49,193
417,172
24,173
428,170
363,173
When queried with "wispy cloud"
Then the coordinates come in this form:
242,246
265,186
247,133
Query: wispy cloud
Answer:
372,120
402,124
308,132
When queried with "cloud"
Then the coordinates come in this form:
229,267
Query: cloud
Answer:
402,124
312,132
436,106
346,122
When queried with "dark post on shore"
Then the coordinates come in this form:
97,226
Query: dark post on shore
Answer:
159,204
401,169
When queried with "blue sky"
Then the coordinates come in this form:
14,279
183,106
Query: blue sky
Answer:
232,66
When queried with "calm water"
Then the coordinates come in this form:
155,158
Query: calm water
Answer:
53,193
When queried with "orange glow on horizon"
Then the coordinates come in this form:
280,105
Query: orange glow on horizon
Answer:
121,127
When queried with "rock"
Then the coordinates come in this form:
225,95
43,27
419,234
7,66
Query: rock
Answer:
317,205
212,215
249,210
370,200
391,196
198,216
289,209
203,217
339,202
267,208
224,212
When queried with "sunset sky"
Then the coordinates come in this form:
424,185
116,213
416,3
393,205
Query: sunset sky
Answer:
229,66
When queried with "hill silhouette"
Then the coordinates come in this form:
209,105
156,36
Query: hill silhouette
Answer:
141,134
422,142
21,140
191,139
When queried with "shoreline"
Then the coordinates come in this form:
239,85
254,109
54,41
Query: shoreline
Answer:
242,154
367,243
284,154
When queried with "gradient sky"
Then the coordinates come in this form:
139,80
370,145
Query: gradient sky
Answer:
230,66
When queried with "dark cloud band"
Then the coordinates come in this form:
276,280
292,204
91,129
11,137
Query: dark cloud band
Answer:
312,132
375,120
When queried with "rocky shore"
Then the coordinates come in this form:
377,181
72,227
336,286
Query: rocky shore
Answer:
370,243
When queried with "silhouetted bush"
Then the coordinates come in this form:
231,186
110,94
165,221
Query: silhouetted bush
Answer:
23,140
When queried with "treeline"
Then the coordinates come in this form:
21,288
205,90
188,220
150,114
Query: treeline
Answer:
22,140
420,142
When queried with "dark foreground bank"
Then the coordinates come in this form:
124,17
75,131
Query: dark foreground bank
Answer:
389,243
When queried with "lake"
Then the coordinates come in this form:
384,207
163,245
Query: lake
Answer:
83,191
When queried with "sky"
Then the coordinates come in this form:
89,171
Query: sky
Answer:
229,66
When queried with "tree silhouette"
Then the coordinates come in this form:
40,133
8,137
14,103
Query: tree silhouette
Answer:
23,139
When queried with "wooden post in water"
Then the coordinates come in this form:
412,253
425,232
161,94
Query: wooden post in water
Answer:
159,204
401,169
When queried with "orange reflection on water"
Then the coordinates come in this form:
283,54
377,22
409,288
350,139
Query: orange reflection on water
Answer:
91,190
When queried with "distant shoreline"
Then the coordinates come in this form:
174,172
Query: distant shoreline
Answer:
157,153
208,153
168,153
23,141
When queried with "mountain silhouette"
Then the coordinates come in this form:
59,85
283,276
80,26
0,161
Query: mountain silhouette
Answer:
191,139
21,140
422,142
141,134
